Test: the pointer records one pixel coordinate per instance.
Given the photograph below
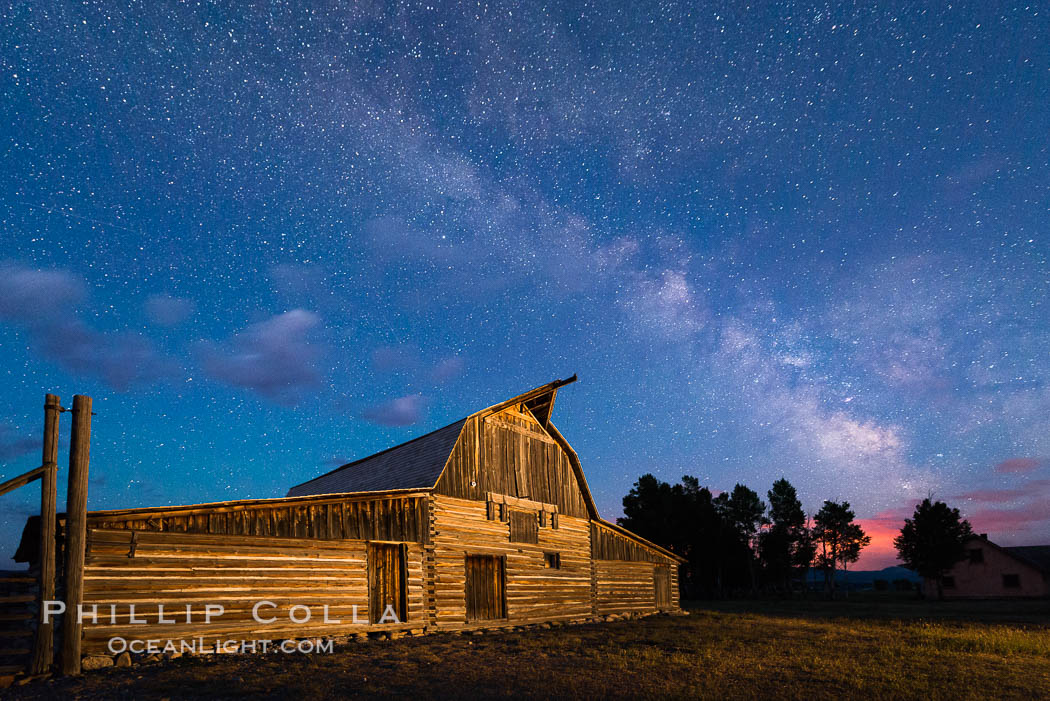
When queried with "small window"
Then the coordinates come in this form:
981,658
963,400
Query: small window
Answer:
1012,581
976,556
552,561
948,582
524,527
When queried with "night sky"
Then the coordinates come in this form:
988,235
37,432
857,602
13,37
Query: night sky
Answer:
772,239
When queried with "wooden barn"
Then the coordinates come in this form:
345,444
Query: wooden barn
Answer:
485,522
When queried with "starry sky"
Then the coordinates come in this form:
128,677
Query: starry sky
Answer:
773,239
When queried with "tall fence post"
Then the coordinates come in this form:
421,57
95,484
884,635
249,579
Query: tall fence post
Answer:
76,531
43,644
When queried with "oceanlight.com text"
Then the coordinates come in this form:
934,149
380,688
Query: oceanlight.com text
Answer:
118,645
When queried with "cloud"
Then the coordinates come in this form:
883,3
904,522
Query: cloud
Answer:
14,444
122,360
163,310
45,303
1015,515
447,369
33,297
1027,520
402,411
274,358
1014,465
407,359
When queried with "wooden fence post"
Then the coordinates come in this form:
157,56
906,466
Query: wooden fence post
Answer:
43,644
76,531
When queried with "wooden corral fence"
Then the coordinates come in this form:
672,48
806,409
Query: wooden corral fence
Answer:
22,594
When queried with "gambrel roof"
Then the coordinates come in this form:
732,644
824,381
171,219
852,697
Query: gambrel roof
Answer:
418,463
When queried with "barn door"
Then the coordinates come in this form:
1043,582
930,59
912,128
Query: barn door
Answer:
485,587
662,584
386,581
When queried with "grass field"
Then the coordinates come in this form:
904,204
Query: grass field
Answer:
863,649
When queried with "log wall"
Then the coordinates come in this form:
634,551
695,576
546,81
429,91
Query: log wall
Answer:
176,569
623,587
401,518
534,592
625,573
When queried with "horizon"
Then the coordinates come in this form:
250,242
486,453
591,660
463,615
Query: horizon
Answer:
772,243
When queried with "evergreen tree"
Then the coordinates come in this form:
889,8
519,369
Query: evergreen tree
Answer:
743,514
649,510
785,548
933,540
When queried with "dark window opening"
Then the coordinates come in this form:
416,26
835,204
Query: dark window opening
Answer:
552,561
1012,581
524,527
976,556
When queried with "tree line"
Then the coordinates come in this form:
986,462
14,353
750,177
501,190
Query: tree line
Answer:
735,542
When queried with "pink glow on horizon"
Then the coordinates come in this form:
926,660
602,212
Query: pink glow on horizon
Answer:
883,528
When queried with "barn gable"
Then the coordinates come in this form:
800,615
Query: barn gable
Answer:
509,453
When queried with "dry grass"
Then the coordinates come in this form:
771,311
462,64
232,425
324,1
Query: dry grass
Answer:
768,650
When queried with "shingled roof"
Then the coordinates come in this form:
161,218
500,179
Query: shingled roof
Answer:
416,464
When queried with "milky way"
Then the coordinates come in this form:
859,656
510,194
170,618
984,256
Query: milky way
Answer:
771,239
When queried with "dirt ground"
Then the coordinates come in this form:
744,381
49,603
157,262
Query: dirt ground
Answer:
786,650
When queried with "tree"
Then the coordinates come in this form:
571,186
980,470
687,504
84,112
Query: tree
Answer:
933,540
786,546
805,551
840,539
854,540
743,513
649,510
682,518
705,552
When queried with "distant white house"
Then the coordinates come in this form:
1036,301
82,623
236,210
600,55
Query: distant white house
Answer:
991,571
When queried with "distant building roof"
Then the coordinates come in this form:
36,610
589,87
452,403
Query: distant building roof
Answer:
1037,556
416,464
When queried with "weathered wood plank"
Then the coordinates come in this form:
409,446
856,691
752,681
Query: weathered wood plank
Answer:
76,530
